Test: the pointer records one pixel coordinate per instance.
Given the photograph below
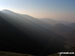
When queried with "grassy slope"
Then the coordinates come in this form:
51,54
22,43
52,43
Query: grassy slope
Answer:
4,53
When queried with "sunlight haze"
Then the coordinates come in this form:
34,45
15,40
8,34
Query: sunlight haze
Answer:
55,9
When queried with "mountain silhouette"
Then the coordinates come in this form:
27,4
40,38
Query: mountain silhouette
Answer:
25,34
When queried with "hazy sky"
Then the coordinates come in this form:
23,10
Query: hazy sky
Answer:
57,9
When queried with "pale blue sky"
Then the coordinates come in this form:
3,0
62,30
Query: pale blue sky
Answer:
41,8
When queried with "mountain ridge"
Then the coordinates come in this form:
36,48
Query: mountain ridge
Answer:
33,36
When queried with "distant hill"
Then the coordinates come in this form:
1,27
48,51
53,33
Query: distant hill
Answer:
65,29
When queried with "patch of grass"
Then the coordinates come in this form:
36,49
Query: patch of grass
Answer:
4,53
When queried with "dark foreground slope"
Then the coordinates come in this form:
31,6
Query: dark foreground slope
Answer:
22,34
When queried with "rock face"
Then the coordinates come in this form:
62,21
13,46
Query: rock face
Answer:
25,34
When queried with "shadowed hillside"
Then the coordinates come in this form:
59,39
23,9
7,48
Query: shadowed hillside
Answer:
25,34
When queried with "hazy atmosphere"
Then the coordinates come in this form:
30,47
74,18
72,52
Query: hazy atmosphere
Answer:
54,9
37,27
